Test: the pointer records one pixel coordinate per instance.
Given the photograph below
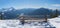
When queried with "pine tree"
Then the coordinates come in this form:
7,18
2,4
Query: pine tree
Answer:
1,16
56,14
51,14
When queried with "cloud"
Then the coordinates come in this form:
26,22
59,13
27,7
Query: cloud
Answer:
57,5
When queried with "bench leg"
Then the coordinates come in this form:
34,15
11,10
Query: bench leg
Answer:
22,22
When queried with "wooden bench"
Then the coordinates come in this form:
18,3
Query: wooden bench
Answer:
27,18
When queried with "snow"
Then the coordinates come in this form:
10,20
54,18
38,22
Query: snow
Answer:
55,21
17,24
9,23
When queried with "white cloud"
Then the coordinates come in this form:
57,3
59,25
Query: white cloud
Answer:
57,5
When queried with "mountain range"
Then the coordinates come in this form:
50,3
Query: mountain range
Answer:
11,13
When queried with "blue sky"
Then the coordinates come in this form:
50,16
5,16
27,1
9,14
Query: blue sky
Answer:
53,4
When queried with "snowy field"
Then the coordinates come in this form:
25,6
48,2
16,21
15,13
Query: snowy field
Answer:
17,24
54,22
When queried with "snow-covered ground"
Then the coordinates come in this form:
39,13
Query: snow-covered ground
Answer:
55,21
17,24
9,24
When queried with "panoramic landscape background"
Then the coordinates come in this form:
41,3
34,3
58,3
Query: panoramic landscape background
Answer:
40,13
12,13
11,9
